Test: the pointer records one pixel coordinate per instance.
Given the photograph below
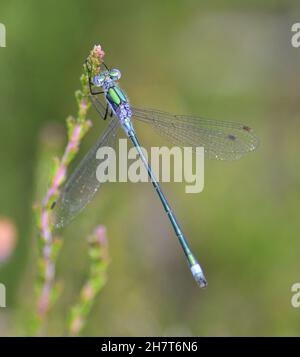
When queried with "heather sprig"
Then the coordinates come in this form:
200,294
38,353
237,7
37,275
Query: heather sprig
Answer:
50,244
99,260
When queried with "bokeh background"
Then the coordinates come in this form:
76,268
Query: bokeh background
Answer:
229,60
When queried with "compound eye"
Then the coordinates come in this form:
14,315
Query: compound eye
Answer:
99,80
115,74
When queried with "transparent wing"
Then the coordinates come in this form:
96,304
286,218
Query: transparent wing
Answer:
83,183
221,140
99,105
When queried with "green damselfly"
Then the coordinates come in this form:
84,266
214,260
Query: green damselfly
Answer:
221,140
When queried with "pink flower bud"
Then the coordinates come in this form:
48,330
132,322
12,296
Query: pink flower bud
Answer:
8,238
99,52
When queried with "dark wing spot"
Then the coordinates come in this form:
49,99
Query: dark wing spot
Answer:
53,205
246,128
231,137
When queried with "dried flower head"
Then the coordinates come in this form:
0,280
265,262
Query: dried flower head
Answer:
98,52
96,58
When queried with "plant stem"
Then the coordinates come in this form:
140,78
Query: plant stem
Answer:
99,260
49,244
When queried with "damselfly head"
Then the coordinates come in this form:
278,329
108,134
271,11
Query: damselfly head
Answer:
106,77
99,79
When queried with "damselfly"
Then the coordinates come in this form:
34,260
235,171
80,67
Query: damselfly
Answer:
221,140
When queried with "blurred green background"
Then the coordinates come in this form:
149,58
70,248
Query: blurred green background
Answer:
229,60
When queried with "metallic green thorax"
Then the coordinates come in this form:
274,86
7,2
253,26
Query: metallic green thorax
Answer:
115,96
